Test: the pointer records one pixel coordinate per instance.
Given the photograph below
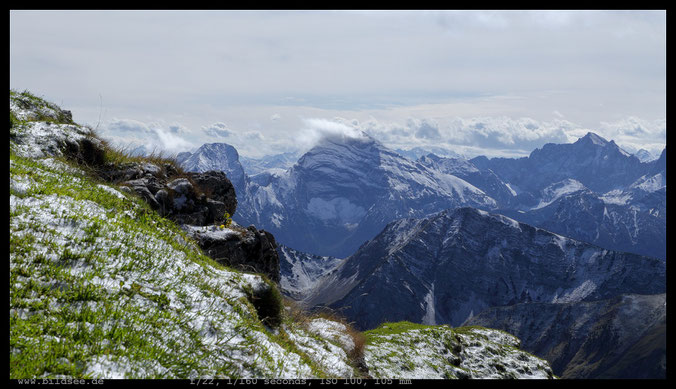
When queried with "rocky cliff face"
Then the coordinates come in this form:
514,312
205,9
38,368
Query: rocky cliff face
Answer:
585,216
301,272
453,265
620,337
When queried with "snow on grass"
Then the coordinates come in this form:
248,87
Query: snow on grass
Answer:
116,291
413,351
492,354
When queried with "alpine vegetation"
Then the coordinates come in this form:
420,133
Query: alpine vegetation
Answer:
109,279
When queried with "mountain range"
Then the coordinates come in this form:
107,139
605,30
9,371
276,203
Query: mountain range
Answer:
564,247
344,190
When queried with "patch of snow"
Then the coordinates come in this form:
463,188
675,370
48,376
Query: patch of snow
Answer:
513,189
558,190
332,330
277,219
112,191
429,317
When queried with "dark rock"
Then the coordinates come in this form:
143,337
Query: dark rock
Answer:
67,116
162,198
218,187
181,186
196,215
216,210
244,249
86,151
149,182
145,195
170,170
200,199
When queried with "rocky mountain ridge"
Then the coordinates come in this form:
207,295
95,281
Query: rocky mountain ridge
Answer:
343,190
459,262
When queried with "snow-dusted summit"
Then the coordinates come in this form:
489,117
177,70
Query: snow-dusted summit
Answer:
344,191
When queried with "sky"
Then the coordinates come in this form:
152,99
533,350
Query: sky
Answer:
495,83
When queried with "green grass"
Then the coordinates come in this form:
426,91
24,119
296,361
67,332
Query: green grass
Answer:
387,329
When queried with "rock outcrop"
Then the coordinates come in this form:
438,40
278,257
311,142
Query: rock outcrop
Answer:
193,198
247,249
200,202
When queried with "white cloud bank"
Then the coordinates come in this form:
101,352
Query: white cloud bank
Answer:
489,136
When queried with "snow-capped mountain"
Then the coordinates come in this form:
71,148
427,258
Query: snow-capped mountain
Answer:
344,191
630,217
644,155
453,265
483,179
216,156
301,272
583,215
598,164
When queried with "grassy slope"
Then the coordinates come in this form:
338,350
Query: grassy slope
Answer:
100,285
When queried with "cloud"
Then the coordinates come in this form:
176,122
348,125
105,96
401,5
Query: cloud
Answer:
590,65
171,141
127,127
491,136
427,129
254,136
316,130
178,129
218,130
634,133
131,133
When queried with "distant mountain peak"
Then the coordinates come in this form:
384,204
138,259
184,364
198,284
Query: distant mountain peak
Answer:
594,138
644,155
